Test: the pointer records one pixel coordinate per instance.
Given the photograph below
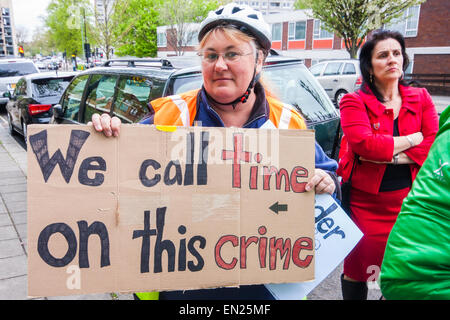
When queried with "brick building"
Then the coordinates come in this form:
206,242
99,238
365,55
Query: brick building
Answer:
429,49
296,33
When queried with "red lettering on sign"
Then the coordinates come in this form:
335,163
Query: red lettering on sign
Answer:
299,245
220,262
276,245
237,155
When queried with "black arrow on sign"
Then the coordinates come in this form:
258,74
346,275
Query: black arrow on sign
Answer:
278,207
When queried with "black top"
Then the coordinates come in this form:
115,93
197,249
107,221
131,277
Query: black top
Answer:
398,176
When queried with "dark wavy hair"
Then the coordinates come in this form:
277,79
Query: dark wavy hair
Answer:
365,58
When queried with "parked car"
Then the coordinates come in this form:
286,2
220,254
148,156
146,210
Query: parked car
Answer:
41,64
52,64
338,77
10,72
33,99
124,87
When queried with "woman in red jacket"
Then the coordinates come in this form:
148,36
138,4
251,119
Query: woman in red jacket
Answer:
389,128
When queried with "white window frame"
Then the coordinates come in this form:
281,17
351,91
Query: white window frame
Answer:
281,31
317,33
291,32
194,38
416,27
403,23
161,39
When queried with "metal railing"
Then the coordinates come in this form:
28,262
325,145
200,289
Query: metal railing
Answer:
436,83
163,63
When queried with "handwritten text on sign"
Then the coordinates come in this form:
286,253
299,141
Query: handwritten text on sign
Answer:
143,210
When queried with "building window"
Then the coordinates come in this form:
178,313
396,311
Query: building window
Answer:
297,30
191,38
320,32
276,32
161,39
408,23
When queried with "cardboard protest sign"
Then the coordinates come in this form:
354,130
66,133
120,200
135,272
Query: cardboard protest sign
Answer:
336,236
157,210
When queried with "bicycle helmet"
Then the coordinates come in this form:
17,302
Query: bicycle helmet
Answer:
244,18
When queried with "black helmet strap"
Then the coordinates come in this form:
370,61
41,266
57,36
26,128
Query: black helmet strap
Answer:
243,98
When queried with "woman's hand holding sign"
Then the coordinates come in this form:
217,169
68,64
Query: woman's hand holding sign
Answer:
104,123
321,182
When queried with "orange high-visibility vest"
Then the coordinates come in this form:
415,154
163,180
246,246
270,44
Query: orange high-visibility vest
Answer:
180,110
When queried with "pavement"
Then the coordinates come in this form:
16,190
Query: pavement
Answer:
13,228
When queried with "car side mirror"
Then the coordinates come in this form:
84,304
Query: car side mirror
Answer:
58,112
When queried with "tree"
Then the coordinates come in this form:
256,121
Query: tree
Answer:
40,43
21,35
352,20
179,16
126,26
136,31
105,22
64,23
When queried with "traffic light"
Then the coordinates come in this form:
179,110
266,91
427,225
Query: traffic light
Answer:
87,50
21,51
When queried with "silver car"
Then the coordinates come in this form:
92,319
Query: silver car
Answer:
11,70
338,77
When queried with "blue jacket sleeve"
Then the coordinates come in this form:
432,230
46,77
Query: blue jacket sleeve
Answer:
323,161
330,166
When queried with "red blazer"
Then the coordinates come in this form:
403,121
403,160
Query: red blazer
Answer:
369,133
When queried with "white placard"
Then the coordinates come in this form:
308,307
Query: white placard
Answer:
336,235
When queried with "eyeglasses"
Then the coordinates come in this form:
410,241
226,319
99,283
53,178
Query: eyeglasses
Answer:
229,56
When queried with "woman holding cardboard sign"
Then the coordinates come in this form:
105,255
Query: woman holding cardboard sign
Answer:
390,128
234,42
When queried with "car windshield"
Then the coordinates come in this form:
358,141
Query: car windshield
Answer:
50,87
290,83
15,69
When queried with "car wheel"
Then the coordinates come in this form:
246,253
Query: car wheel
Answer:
339,95
10,125
24,130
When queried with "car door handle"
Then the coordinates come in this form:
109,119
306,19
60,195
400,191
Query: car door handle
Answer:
335,80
